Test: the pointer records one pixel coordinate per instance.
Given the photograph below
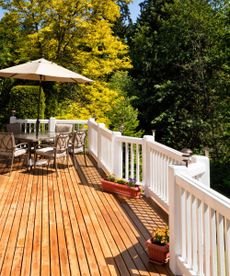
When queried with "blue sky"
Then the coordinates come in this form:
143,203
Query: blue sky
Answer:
134,9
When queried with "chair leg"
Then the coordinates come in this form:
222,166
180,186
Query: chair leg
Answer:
11,165
74,160
55,165
35,160
26,161
67,157
85,156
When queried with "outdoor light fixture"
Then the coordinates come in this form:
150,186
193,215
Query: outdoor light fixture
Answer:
187,153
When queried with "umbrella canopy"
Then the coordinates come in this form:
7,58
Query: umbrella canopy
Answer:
42,70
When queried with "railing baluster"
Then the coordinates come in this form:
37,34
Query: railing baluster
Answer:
126,160
194,234
183,224
200,237
227,237
213,249
207,239
220,244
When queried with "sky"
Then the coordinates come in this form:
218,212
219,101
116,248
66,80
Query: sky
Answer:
134,9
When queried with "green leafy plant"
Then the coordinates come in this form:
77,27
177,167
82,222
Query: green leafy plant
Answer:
131,182
160,236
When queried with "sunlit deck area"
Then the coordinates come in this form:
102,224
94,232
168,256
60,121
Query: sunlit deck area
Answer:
67,225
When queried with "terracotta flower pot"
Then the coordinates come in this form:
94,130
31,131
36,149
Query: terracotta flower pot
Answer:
157,253
121,189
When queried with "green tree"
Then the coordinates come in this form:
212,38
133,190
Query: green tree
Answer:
22,96
181,68
123,117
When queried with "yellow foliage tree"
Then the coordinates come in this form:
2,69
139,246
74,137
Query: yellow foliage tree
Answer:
78,35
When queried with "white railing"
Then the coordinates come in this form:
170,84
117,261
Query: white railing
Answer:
199,222
29,125
141,158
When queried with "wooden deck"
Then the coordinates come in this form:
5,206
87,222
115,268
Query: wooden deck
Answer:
67,225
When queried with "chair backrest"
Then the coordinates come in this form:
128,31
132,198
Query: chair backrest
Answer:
60,128
78,139
62,143
7,143
15,128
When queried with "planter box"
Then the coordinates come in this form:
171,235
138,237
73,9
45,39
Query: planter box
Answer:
121,189
158,254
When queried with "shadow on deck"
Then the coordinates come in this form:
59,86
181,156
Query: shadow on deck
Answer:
67,225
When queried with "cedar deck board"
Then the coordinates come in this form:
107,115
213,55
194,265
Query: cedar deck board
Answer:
67,225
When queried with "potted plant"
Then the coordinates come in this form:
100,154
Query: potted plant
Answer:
120,186
158,246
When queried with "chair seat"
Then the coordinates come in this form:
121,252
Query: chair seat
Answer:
20,151
45,151
76,150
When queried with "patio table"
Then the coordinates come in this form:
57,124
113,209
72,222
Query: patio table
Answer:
33,139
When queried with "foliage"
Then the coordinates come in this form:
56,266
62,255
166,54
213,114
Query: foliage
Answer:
24,99
123,116
160,236
123,23
131,181
181,69
94,100
220,177
77,35
5,112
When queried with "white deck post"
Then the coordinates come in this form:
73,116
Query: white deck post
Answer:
174,218
117,154
52,123
13,119
146,162
90,135
205,177
99,143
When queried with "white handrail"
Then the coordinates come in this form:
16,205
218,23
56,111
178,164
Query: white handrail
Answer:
199,221
29,125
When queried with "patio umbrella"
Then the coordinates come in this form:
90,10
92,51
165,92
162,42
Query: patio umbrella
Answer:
42,70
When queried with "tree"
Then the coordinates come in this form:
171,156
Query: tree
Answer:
123,117
76,34
181,68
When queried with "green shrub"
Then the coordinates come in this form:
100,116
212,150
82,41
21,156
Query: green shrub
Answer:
220,178
121,181
24,99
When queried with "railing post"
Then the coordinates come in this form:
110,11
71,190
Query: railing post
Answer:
205,177
51,124
174,218
117,154
99,144
146,162
13,119
90,134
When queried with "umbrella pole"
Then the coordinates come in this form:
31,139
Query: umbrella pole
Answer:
39,99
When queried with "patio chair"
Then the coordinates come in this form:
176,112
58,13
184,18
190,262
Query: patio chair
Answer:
77,144
58,151
9,149
15,128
